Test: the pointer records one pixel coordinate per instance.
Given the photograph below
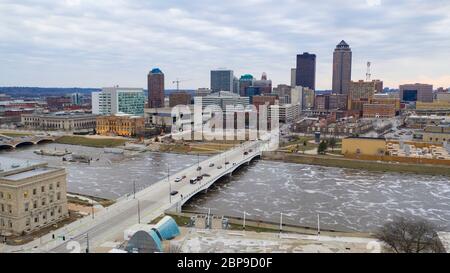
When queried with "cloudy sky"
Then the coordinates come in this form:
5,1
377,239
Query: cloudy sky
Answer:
87,43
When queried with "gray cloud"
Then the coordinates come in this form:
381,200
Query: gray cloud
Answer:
100,43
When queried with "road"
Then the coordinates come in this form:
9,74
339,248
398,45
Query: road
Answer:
109,224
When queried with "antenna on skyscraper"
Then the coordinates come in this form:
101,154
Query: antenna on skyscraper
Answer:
368,75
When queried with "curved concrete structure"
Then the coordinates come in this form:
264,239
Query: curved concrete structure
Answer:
12,143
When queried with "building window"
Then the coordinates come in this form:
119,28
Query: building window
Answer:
1,195
34,191
58,196
27,207
28,222
59,210
35,204
57,184
43,189
43,202
36,219
9,196
10,209
50,187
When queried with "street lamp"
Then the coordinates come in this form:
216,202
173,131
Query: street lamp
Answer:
170,185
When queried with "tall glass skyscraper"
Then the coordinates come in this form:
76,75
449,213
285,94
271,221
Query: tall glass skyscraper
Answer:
342,68
306,71
222,80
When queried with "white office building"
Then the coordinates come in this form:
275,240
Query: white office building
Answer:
114,100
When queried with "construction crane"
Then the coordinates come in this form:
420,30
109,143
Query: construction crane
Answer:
368,74
178,81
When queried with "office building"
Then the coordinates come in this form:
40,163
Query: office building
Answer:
264,100
155,85
32,196
306,70
284,93
179,98
115,100
222,80
293,77
235,85
416,92
264,85
224,99
379,110
342,68
201,92
244,82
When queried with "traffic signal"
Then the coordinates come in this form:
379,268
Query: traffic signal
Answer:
64,238
53,236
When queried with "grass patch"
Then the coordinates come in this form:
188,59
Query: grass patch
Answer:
15,134
91,142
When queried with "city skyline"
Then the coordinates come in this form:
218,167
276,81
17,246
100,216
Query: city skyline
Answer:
76,43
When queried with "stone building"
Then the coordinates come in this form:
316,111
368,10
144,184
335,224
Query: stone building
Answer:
72,122
120,125
32,196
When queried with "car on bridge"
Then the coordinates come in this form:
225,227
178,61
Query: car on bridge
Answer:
178,179
219,167
199,178
173,193
211,165
193,181
227,163
199,168
245,153
206,175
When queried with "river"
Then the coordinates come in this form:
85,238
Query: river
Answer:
351,200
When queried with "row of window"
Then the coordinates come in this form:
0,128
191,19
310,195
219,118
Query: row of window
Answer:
7,208
42,189
36,219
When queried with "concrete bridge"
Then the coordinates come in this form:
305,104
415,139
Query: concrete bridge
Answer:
147,204
15,142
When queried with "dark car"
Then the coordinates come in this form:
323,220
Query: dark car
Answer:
174,193
206,175
193,181
199,178
199,168
226,163
211,165
246,153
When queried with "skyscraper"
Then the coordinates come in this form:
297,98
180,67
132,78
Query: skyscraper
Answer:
222,80
306,70
115,100
342,68
155,82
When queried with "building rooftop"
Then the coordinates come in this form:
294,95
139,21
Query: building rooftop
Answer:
156,71
8,164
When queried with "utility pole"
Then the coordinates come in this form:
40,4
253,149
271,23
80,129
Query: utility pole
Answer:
170,185
243,226
134,189
92,207
87,242
318,224
281,223
139,211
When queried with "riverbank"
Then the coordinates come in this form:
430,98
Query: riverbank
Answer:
236,223
341,162
92,142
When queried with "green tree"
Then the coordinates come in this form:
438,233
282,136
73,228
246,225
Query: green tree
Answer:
323,146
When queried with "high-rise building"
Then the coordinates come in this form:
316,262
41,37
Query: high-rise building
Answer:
342,68
201,92
114,100
155,83
416,92
222,80
244,82
306,70
293,77
235,85
264,85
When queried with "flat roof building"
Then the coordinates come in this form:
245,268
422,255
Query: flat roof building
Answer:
113,100
60,121
32,196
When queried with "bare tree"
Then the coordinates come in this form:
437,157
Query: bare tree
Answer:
410,236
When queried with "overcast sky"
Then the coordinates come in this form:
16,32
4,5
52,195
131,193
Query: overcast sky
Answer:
96,43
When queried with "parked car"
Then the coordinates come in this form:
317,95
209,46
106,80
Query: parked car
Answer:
211,165
178,179
174,193
193,181
199,168
226,163
245,153
199,178
219,167
206,175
